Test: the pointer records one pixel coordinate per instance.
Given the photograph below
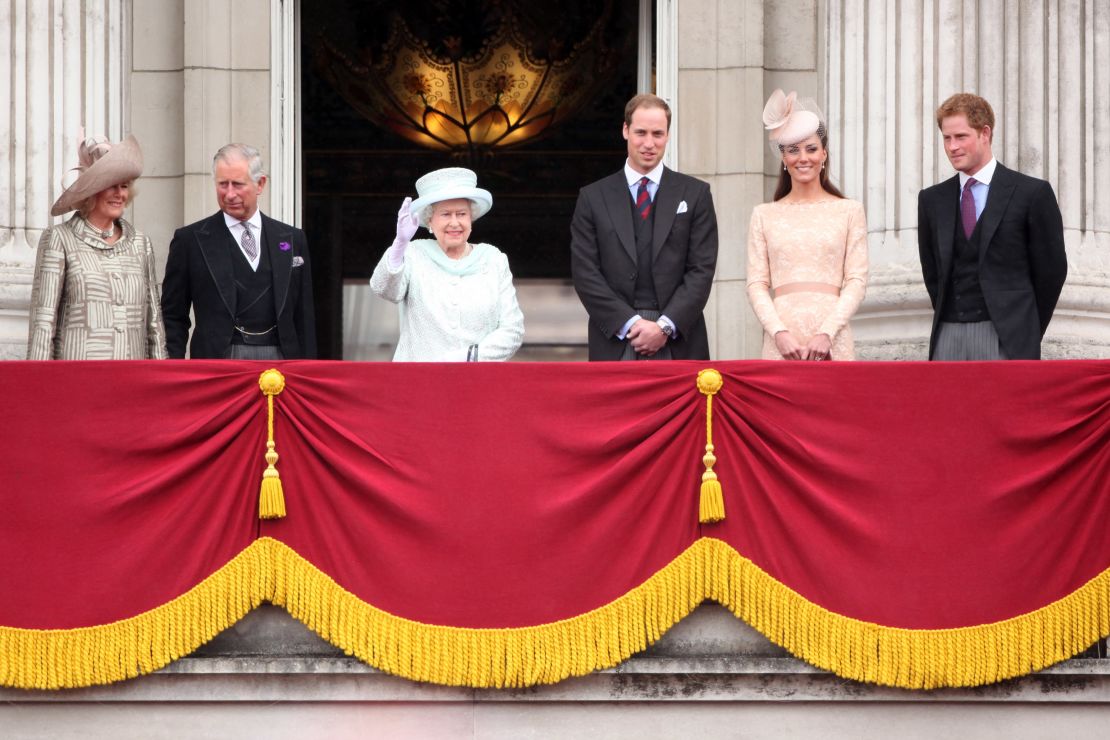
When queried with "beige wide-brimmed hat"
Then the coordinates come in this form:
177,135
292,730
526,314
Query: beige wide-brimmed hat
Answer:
451,183
102,164
789,120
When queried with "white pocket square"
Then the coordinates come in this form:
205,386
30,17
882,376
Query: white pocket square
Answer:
681,208
298,261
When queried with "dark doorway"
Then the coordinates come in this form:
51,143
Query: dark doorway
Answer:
360,161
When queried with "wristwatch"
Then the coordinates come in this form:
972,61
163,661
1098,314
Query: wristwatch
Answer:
666,328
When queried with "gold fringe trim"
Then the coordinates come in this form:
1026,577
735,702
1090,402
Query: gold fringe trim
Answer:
490,658
269,570
908,658
86,656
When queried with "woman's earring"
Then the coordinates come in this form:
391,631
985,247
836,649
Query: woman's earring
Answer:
784,168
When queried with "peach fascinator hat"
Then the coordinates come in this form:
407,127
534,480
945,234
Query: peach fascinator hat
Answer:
101,165
789,120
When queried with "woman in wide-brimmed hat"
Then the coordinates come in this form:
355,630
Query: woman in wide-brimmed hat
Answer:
807,250
95,294
456,298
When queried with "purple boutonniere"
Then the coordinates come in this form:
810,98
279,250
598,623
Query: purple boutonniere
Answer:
284,246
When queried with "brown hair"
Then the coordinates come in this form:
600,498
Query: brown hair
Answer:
86,206
785,183
646,100
977,111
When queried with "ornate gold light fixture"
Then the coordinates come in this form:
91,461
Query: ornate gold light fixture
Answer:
510,87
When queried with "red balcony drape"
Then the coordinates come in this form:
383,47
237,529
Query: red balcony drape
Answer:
912,524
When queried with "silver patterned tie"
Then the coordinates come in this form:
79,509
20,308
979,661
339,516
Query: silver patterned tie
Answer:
250,246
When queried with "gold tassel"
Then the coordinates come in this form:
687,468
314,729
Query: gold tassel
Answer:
271,501
711,507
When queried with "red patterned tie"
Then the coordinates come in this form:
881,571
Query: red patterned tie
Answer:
643,199
967,207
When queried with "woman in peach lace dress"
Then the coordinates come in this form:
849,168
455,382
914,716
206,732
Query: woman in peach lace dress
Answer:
807,249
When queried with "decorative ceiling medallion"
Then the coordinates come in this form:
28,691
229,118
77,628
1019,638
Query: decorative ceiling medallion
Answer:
514,85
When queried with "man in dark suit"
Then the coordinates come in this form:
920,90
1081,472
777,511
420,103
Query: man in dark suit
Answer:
246,276
992,246
644,248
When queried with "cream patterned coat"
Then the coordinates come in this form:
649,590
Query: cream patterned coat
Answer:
92,300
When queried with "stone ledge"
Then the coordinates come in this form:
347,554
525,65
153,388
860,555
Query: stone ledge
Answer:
235,680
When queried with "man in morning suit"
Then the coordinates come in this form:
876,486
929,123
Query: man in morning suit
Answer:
992,246
644,248
245,276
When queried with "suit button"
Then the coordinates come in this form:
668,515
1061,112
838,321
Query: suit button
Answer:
632,276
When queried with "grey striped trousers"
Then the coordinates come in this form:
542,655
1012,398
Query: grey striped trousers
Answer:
976,340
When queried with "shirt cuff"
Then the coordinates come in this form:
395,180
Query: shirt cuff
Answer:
628,325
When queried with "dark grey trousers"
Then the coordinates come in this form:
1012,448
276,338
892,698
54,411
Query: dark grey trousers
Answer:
976,340
254,352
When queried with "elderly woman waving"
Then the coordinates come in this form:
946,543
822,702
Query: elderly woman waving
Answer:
95,294
456,299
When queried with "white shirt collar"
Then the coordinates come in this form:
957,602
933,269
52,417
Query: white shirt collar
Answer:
984,175
255,220
633,177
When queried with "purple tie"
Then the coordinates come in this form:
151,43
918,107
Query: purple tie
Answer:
643,199
967,207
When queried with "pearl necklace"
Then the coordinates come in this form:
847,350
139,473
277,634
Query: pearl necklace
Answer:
104,234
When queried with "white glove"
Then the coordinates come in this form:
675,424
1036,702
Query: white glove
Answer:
407,224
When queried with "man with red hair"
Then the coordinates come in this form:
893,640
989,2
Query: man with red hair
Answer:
992,246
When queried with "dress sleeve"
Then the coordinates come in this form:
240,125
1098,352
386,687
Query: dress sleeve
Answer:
46,295
854,284
155,330
759,278
391,280
503,342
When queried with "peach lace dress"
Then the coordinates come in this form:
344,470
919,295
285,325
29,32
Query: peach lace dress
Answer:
807,270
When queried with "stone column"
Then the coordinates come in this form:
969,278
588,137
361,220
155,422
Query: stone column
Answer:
67,62
201,78
1043,67
227,91
719,138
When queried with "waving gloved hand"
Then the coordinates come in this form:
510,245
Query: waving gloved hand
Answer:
407,224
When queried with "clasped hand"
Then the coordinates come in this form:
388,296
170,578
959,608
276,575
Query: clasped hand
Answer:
646,337
819,347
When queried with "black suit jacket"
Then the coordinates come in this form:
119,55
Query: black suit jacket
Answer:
684,257
1022,262
199,274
